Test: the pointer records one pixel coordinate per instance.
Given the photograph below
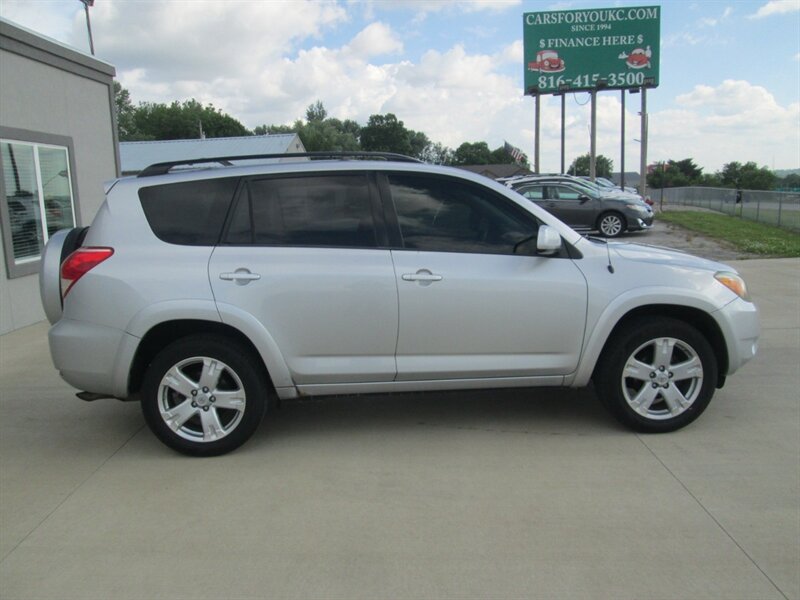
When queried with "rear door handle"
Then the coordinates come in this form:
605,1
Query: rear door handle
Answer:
240,276
423,276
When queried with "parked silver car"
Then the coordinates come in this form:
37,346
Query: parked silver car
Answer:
206,293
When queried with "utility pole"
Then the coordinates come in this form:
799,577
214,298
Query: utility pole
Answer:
86,5
622,145
536,135
593,143
643,165
563,131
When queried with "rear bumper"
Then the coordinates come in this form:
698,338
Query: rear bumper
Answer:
92,357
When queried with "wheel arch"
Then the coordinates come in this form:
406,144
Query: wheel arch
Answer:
166,332
698,317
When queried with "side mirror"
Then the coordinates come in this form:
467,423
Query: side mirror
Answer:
548,241
583,199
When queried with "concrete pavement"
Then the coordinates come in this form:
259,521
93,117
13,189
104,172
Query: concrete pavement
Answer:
520,493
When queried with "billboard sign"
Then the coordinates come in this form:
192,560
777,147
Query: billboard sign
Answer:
611,48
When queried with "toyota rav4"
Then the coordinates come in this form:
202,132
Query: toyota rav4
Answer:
205,293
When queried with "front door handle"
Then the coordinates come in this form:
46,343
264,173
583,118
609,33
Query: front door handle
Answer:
240,276
424,276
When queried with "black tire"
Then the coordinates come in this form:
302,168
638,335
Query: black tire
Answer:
611,224
648,340
209,428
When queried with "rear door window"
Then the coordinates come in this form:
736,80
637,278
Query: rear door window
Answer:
326,210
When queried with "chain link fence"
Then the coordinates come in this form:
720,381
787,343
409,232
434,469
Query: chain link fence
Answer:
774,208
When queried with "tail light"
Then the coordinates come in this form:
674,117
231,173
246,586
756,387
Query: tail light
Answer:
80,262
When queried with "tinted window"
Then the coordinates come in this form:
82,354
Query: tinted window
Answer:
331,210
190,213
532,193
447,215
560,192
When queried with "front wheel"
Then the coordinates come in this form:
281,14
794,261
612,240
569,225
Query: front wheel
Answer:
658,375
611,224
204,395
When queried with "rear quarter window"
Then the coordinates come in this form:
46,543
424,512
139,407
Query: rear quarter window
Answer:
191,213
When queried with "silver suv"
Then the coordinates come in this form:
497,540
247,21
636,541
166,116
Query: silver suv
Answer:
205,293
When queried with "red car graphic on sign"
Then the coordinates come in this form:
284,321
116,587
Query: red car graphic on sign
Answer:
547,61
639,58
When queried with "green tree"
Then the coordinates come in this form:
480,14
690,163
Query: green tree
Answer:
437,154
319,133
329,134
747,176
476,153
385,133
316,112
789,182
126,111
581,166
678,173
184,120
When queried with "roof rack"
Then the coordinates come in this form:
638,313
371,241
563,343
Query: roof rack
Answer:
163,168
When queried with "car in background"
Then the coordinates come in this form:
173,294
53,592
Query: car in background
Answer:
610,185
585,208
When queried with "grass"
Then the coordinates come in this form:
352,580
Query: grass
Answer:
746,236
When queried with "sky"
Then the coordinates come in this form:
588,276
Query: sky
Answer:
729,70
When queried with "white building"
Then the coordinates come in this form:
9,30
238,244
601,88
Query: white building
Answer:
57,147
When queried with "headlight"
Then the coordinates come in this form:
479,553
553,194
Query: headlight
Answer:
638,207
734,283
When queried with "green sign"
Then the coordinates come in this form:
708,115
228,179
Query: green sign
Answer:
611,48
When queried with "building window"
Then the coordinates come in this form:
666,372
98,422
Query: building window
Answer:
38,197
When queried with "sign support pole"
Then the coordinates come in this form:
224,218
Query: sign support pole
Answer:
593,143
622,144
563,130
643,165
536,135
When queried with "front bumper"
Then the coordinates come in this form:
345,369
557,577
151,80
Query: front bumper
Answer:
640,222
741,327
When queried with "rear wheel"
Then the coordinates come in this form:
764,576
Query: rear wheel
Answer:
611,224
204,395
658,375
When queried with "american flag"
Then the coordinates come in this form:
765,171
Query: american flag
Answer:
515,152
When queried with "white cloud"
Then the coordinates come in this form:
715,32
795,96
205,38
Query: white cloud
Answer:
175,40
732,121
513,53
29,14
776,7
374,40
714,21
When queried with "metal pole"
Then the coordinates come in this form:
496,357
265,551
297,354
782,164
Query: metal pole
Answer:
643,165
593,143
536,136
88,26
563,130
622,144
